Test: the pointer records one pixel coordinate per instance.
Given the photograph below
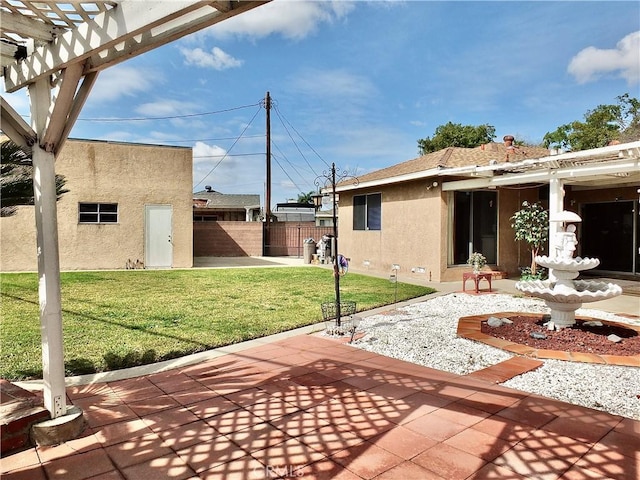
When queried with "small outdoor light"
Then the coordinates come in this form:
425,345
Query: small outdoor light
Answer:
355,321
393,278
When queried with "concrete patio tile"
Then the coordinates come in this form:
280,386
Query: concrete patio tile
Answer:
245,468
627,445
25,458
367,460
435,427
325,469
117,432
586,432
608,464
291,454
330,439
532,464
495,472
169,467
460,413
212,406
153,405
79,466
171,418
234,420
270,409
479,444
449,462
298,423
504,428
177,383
198,394
92,389
137,450
187,435
33,472
409,471
206,455
402,442
490,402
248,396
257,437
98,417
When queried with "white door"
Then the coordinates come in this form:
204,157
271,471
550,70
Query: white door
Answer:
158,240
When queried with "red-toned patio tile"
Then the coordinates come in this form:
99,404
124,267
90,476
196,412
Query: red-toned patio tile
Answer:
189,434
434,427
367,424
587,358
169,467
627,445
152,405
197,394
504,428
628,427
532,464
330,439
172,418
92,389
528,412
409,471
117,432
449,462
479,444
206,455
33,472
313,379
298,423
233,421
461,413
93,402
495,472
490,402
292,453
257,437
137,450
104,416
582,431
269,409
248,396
245,468
403,442
367,460
178,383
322,470
85,442
18,460
80,466
131,395
213,406
578,473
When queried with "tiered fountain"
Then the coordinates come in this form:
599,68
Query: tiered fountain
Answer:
562,293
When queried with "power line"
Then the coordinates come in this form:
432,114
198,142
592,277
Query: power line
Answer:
168,117
230,148
306,143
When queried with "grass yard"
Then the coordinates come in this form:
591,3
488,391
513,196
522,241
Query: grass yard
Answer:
121,319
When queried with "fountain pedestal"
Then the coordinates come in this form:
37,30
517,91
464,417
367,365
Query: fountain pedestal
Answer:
562,293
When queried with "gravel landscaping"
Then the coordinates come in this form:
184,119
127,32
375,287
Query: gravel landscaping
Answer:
425,333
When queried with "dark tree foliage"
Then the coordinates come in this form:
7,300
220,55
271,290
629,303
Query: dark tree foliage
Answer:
601,126
457,135
16,180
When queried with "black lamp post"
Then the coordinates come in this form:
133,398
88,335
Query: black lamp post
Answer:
322,181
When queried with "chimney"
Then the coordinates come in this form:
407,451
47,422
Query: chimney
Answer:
508,143
208,188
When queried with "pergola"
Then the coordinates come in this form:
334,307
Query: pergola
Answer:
56,50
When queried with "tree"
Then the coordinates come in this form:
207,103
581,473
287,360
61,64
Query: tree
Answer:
456,135
531,224
602,125
16,179
306,197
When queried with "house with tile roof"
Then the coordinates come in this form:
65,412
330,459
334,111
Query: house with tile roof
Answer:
430,213
211,206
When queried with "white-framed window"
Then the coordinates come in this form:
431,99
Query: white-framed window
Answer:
367,212
97,213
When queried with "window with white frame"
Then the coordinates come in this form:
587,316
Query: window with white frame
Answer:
98,213
367,211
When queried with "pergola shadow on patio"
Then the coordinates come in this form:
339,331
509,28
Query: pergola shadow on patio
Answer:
310,407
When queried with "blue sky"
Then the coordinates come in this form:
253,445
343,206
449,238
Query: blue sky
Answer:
358,83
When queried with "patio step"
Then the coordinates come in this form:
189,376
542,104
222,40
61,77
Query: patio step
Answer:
19,411
506,370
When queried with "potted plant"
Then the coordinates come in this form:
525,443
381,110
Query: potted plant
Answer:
477,261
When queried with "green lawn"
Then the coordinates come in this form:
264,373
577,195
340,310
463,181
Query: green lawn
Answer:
120,319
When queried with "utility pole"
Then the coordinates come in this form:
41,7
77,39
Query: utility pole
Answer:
267,105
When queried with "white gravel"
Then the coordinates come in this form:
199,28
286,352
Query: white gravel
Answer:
425,333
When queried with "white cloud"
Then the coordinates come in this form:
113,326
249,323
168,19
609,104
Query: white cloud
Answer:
167,108
217,59
121,81
333,84
291,19
593,62
204,153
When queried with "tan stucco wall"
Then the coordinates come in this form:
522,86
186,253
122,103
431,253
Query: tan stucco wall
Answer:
105,172
415,233
410,234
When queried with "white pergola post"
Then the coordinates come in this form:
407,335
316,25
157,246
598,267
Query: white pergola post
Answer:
44,189
556,205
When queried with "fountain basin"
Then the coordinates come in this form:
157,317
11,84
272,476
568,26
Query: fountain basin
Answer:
570,265
583,291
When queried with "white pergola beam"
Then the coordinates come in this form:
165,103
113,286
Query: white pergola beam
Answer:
26,27
14,126
627,165
109,29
